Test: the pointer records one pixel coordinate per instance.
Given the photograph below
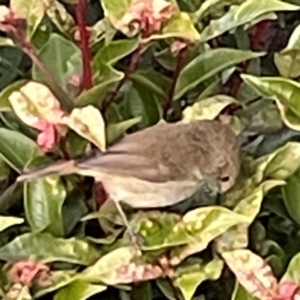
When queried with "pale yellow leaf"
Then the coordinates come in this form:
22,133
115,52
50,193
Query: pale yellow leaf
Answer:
88,122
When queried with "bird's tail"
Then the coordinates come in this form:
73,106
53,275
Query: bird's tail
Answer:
60,168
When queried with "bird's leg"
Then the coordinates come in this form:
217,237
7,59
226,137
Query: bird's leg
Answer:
134,237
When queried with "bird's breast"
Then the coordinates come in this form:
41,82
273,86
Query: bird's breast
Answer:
144,194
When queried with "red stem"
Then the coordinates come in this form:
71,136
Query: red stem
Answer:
255,39
87,81
182,56
130,69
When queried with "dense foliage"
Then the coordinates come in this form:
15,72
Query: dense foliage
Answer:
76,74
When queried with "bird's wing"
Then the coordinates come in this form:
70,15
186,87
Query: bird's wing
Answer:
127,164
133,156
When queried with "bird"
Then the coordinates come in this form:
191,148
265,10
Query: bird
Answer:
158,166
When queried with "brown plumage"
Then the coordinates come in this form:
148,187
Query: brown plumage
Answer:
161,165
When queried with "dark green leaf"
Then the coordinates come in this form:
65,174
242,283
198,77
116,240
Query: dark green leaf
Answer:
12,145
10,59
208,64
291,195
242,14
62,58
43,205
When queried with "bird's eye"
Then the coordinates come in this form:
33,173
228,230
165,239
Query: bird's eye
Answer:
225,178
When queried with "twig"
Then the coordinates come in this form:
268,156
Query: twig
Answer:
131,68
29,49
87,81
180,64
255,40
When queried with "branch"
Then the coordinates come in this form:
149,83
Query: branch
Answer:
87,81
130,69
28,48
255,41
182,56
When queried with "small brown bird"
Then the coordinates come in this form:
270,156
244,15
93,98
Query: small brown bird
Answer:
161,165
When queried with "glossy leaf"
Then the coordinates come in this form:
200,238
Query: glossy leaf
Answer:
240,293
292,271
283,162
140,104
34,102
114,131
179,26
190,276
95,95
79,290
31,10
59,279
290,193
45,247
108,268
62,64
209,6
44,199
12,145
288,60
242,14
207,109
7,221
194,232
10,59
286,91
208,64
6,92
152,81
88,123
107,56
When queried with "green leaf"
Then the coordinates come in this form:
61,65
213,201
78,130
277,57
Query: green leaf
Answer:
31,10
107,269
210,6
59,279
240,293
44,199
12,145
191,274
242,14
10,59
285,90
115,9
192,233
6,92
45,247
107,56
137,103
179,26
207,109
4,170
79,290
283,162
7,221
62,58
152,81
208,64
4,41
96,94
292,273
116,130
291,194
288,60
